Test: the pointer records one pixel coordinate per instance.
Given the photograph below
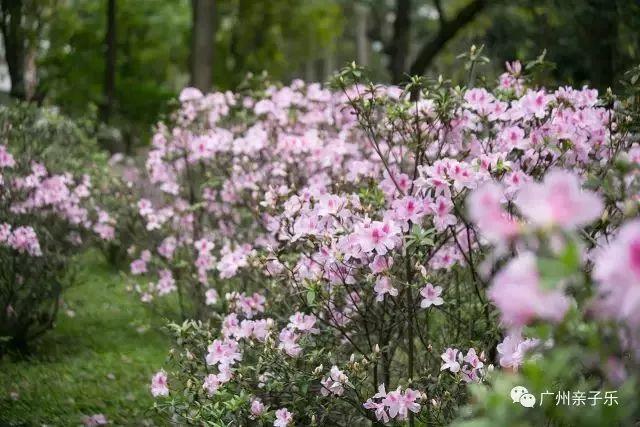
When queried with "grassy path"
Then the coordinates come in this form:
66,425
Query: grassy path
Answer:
98,359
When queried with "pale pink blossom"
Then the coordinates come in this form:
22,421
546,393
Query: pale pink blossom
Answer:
617,275
384,286
334,383
558,201
380,263
284,418
431,296
378,236
399,404
257,408
211,384
289,342
519,296
6,159
95,420
221,352
442,216
485,209
211,297
302,322
159,386
514,348
450,359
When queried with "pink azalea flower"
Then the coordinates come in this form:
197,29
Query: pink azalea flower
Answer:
512,137
442,217
224,353
558,201
535,103
167,247
232,260
167,283
6,159
431,296
485,210
204,246
379,408
288,342
24,239
394,402
384,286
5,232
190,94
283,418
211,384
334,383
399,404
469,374
211,297
95,420
159,385
389,187
517,293
472,359
513,349
145,208
480,100
617,274
378,236
380,264
261,328
138,266
408,209
450,359
230,325
303,322
410,402
257,408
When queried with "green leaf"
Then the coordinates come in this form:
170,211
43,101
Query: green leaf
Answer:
311,296
553,270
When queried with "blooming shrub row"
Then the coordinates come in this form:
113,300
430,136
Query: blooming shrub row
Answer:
362,254
46,215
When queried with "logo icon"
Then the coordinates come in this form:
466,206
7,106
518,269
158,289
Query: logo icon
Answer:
522,396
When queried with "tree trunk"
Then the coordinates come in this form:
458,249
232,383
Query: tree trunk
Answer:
202,44
31,75
401,40
602,20
448,30
328,64
310,68
362,42
110,62
14,45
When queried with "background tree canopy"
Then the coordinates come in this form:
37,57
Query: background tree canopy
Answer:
58,51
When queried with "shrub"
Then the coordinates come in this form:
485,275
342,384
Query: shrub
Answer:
212,169
47,215
361,255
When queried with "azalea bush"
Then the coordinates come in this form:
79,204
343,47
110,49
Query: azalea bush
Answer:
375,254
47,214
218,169
118,192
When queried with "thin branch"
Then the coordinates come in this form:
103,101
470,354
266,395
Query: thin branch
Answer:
429,51
441,17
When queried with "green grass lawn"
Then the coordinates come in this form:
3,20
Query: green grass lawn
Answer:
98,359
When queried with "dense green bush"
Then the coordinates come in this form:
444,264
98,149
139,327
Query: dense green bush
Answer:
47,214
